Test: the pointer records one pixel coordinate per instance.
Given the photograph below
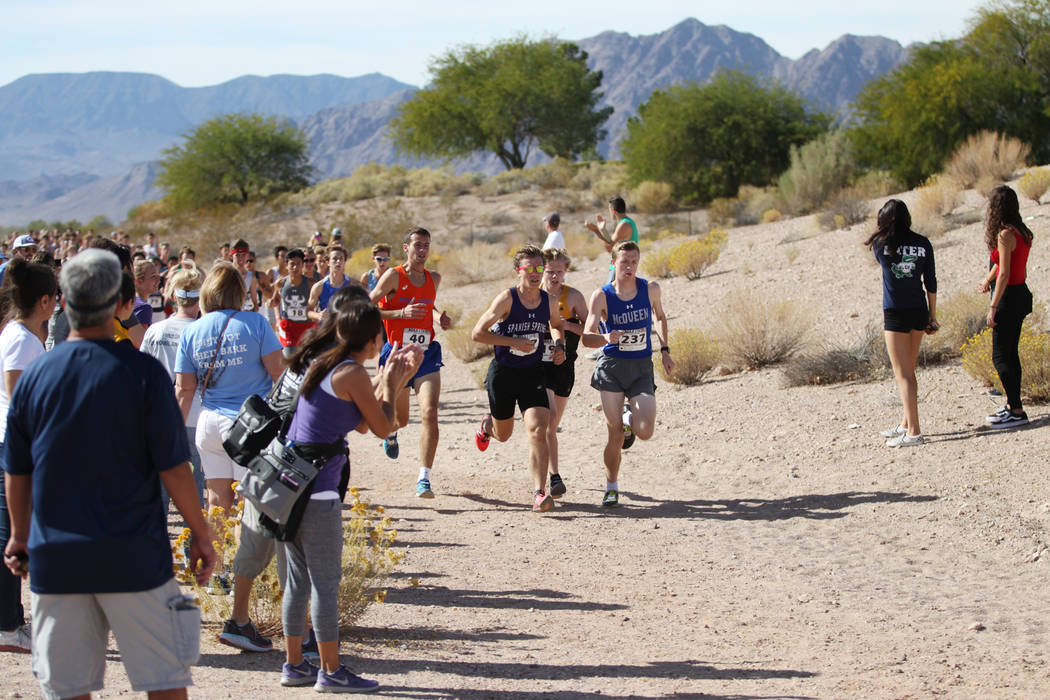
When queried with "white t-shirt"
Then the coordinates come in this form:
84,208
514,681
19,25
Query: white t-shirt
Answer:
162,342
554,240
18,347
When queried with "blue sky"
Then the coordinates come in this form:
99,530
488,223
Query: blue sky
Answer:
204,43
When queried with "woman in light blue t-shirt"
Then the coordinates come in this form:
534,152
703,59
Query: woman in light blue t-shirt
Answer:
249,359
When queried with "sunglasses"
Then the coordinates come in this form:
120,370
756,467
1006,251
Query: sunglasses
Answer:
529,269
309,260
380,258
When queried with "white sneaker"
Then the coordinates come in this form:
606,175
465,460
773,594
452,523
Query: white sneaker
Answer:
895,431
999,414
906,440
18,640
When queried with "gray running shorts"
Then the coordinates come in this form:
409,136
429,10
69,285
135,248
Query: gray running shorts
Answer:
630,376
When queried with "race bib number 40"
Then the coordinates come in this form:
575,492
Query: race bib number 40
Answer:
416,336
633,340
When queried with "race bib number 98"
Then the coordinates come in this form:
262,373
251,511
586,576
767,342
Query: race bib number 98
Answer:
416,336
633,340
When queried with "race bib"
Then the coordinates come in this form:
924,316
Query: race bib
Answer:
633,340
534,337
156,302
296,313
548,350
416,336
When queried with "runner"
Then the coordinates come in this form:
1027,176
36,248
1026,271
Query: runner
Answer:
625,369
335,280
406,295
291,295
521,316
381,256
559,379
241,253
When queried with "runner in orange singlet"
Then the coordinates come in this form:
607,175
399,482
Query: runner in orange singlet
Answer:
405,295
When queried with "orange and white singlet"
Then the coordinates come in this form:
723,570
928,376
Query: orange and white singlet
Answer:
410,331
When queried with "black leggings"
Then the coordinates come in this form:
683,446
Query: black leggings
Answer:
1014,306
12,616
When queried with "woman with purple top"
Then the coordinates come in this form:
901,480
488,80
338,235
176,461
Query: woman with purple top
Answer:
336,397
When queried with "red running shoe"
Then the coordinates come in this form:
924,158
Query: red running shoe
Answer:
542,502
481,438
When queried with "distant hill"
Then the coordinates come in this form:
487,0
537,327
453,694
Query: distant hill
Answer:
112,196
104,123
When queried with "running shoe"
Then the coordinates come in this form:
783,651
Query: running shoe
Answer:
481,438
303,673
18,640
1009,420
998,414
906,441
423,489
896,431
343,680
628,434
542,502
219,584
310,650
611,499
391,447
244,637
557,486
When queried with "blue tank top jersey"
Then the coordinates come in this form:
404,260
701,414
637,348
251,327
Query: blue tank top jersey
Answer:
523,322
324,417
634,318
327,290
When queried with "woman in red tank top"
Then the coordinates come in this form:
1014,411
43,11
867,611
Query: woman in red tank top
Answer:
1008,241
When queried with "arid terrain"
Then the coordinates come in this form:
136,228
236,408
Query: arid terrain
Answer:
768,545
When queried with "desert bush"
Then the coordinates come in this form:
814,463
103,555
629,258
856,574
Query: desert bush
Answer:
360,262
657,263
368,559
757,331
458,341
725,212
477,262
377,221
818,169
454,312
1034,183
847,208
754,202
149,211
961,316
770,216
695,354
585,246
1034,349
505,182
652,197
834,364
986,155
555,174
603,178
935,200
877,183
692,257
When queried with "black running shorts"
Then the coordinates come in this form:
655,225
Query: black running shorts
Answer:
905,320
559,378
510,386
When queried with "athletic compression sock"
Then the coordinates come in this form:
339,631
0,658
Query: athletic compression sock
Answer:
424,473
612,485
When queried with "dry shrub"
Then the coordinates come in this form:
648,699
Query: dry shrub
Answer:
936,200
833,364
847,208
584,246
657,263
150,211
477,262
454,313
504,183
376,221
695,354
368,560
770,216
986,155
961,316
458,341
604,179
651,197
877,183
757,331
1034,349
754,202
1034,183
360,262
818,169
725,212
557,174
692,257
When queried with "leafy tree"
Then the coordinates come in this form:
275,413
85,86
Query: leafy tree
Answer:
707,140
996,78
507,98
235,158
99,222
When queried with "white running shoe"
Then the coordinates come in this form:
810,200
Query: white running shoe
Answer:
999,414
906,441
895,431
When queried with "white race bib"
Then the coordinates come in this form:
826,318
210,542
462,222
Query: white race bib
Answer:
548,350
633,340
416,336
532,337
296,313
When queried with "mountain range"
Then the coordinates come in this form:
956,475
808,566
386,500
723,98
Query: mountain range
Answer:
76,145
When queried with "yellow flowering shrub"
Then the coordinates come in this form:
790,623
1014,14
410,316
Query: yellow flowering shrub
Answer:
692,257
695,354
1034,350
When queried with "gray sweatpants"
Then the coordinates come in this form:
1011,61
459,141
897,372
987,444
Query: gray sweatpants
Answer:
315,567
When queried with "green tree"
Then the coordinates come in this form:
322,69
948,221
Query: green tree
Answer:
996,78
707,140
235,158
507,98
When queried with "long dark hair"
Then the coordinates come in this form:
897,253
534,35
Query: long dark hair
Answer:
25,283
893,225
1004,212
321,337
356,325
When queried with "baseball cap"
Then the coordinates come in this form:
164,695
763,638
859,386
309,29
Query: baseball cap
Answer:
337,233
24,241
553,219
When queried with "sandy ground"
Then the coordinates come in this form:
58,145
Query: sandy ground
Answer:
768,544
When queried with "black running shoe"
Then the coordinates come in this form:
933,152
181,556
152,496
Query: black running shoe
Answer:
557,486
